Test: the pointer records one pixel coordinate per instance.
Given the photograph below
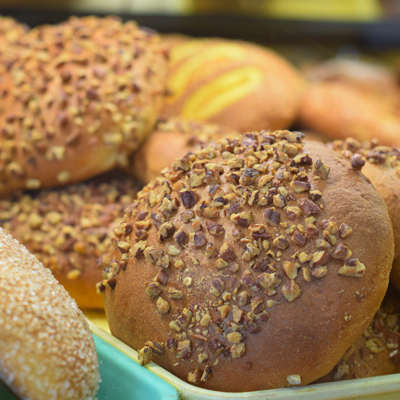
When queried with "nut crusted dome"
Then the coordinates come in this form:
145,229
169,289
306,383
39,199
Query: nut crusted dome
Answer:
179,137
383,169
251,265
77,98
68,229
47,350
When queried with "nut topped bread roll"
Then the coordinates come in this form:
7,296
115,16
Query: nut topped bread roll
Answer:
232,83
46,347
377,351
68,229
250,266
77,99
382,167
172,139
11,30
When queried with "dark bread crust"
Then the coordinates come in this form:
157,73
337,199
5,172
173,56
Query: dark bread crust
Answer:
68,229
66,89
172,139
296,329
271,104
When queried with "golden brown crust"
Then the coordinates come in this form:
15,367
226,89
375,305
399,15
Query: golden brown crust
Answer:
376,352
47,349
68,229
254,265
172,139
67,91
346,98
365,76
383,169
232,83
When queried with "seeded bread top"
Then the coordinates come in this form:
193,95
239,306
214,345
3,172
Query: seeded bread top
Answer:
47,348
90,83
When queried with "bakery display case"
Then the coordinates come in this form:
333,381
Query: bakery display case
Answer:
122,170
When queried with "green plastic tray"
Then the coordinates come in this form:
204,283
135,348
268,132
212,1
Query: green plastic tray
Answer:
121,378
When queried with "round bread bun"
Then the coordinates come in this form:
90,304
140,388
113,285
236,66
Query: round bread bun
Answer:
47,348
252,266
232,83
77,99
172,139
383,169
352,99
68,229
366,76
376,352
11,30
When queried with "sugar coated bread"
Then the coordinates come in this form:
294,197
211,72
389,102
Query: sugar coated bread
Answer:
352,99
68,229
172,139
46,347
77,99
250,266
232,83
376,352
383,169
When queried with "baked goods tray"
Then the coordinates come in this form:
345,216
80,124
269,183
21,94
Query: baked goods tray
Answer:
123,378
377,388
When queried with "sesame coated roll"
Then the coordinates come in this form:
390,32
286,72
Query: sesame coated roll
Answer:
47,350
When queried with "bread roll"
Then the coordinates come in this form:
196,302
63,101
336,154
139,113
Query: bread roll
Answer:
348,99
252,266
172,139
11,30
232,83
68,229
46,347
376,352
383,169
77,99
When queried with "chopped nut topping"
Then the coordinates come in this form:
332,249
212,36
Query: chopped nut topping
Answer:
162,306
174,293
280,242
321,169
153,289
357,161
237,350
345,230
188,198
290,269
294,379
272,216
199,239
195,376
308,207
352,267
291,291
